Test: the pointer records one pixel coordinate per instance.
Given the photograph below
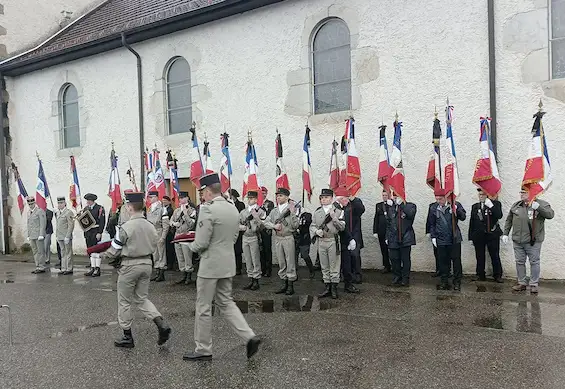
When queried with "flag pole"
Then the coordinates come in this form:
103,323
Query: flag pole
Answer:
452,196
46,185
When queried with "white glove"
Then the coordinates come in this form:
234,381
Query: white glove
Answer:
389,202
40,237
505,239
28,239
242,228
67,240
398,201
489,203
535,205
434,242
386,242
176,224
450,209
320,233
472,243
352,245
428,235
376,236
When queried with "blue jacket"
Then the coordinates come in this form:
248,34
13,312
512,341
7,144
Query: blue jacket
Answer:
441,224
400,217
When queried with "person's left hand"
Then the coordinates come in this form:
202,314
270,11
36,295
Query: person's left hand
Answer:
398,201
489,203
352,245
98,237
535,205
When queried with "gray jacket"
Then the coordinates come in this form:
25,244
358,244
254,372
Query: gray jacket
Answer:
252,223
289,223
65,224
36,223
519,221
159,217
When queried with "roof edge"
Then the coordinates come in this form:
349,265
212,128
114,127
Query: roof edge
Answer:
155,30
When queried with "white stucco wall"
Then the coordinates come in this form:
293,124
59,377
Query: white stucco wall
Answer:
248,73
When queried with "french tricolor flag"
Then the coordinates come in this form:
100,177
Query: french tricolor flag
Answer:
306,165
486,174
42,189
353,167
114,190
74,190
282,177
396,181
225,164
22,193
385,170
449,158
250,178
333,182
197,167
537,174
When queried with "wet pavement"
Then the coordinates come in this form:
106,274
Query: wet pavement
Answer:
386,337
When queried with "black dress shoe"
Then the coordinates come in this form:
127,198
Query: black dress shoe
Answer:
253,346
290,289
125,341
161,276
327,292
183,279
164,330
443,287
89,273
457,287
96,272
333,290
478,278
68,273
255,285
249,285
284,288
238,272
436,274
351,289
39,271
405,283
156,275
385,270
499,280
194,356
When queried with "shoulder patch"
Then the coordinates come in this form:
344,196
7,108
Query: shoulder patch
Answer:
200,224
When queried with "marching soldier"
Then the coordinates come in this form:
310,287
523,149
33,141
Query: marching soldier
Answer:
283,221
94,235
130,253
183,220
266,238
65,227
216,233
250,224
158,216
327,223
36,222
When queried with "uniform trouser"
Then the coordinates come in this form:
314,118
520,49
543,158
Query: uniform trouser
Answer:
266,253
493,246
447,255
437,259
330,261
401,263
307,252
284,246
66,255
184,257
384,252
160,256
171,251
133,289
38,250
220,291
252,256
523,252
90,237
47,242
347,266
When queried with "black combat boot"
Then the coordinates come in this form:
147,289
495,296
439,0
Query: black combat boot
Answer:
253,346
89,273
164,330
327,292
161,276
290,290
188,279
457,286
250,285
334,290
183,279
283,288
126,341
349,288
255,285
96,272
156,275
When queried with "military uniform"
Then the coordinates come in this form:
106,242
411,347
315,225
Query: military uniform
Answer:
99,215
36,223
64,234
130,252
158,216
216,232
250,224
183,220
284,242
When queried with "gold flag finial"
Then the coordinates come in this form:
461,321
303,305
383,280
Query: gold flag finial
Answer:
540,105
396,116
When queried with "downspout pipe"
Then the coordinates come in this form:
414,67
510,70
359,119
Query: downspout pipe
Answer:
3,171
492,74
140,108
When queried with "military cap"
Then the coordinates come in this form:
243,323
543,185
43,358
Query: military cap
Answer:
283,191
252,194
327,192
128,191
135,197
209,179
90,196
264,189
183,195
60,199
153,193
234,193
31,199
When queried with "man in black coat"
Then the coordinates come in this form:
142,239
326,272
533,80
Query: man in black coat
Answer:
266,238
428,228
345,238
484,231
379,230
400,238
356,210
170,247
238,246
304,241
443,220
94,235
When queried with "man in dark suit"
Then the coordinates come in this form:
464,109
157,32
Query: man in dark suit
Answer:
238,247
436,274
356,210
379,230
169,247
94,235
266,238
485,232
346,237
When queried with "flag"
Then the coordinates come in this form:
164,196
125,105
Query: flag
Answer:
396,180
434,176
282,178
158,178
74,190
306,165
334,168
450,171
353,168
486,172
250,178
173,177
385,169
114,190
42,189
197,167
225,165
537,174
207,159
22,193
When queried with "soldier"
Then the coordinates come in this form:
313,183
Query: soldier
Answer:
94,235
400,238
250,225
65,227
266,238
36,222
169,246
159,217
526,220
484,231
283,221
238,247
216,233
379,230
124,214
327,223
130,253
183,220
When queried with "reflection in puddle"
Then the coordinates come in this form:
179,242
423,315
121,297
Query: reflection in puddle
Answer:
493,289
489,322
82,329
290,304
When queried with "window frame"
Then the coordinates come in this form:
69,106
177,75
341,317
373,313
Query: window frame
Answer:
315,33
166,84
62,104
551,40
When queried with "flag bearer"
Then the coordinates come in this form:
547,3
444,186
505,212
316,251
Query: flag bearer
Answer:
94,235
183,220
250,224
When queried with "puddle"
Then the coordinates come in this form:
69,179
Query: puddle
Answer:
491,289
82,329
289,304
489,322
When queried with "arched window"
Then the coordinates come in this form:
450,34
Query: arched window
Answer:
331,67
69,117
178,96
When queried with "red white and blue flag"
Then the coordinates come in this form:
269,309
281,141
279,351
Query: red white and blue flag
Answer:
74,190
207,158
22,193
42,189
159,177
282,177
449,158
250,178
385,169
353,167
434,176
537,174
334,174
225,164
396,180
114,190
486,174
197,167
173,177
306,165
